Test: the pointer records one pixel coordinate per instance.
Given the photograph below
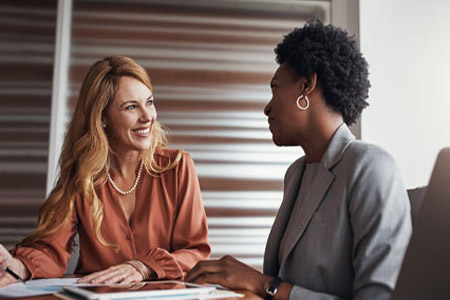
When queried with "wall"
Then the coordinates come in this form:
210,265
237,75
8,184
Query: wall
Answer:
407,45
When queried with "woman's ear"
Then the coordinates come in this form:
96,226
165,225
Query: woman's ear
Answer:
103,122
310,84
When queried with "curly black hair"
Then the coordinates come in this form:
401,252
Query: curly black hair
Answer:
333,55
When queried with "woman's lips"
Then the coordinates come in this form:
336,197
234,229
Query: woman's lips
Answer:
142,131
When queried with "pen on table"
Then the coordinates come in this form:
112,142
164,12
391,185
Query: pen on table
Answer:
13,274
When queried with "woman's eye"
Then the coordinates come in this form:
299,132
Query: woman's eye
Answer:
150,102
130,107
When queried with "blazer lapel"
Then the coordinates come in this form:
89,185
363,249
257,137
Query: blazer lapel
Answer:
319,188
292,185
339,142
341,139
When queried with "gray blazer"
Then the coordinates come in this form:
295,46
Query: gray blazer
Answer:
353,229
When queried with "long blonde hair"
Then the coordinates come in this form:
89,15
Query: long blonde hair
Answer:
86,154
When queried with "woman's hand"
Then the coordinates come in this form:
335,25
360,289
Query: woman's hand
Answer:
230,273
7,261
123,273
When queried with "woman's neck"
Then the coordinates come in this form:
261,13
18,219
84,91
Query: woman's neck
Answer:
125,164
319,138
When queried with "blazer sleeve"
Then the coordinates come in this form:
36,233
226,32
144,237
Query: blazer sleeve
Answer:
190,233
380,216
380,219
48,256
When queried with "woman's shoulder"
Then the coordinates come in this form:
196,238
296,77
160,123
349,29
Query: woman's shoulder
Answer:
170,154
369,156
167,152
367,150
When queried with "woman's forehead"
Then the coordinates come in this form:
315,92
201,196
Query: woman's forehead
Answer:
284,72
131,87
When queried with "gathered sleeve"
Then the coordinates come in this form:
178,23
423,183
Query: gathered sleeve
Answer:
47,257
189,243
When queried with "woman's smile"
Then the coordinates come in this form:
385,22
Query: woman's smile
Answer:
142,132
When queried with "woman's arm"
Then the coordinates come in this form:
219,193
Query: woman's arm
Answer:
14,264
236,275
48,256
381,221
190,232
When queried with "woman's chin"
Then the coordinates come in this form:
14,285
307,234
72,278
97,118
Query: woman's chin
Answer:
143,146
277,141
283,142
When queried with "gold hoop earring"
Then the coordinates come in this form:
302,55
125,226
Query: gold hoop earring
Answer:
306,100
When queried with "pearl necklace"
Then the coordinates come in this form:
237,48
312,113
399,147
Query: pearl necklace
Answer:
132,188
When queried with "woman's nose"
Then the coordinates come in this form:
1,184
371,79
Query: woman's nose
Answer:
267,109
148,114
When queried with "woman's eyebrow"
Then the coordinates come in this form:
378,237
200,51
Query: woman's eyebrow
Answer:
128,102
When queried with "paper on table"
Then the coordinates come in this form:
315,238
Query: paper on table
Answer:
40,287
37,287
215,294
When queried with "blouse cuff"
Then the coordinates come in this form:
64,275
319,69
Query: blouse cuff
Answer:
162,263
29,264
40,264
153,265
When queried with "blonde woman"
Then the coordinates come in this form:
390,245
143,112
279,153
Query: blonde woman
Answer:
135,204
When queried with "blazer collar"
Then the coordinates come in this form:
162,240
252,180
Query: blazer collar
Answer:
339,142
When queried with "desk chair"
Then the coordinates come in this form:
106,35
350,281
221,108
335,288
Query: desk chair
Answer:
416,197
72,263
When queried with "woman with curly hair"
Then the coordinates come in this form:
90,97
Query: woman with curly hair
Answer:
344,223
135,204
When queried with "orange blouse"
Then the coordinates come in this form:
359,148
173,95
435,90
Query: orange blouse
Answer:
167,231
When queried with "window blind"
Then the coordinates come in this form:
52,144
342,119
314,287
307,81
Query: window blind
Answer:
210,63
27,30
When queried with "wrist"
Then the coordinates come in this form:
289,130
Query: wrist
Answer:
20,268
264,283
141,268
272,288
